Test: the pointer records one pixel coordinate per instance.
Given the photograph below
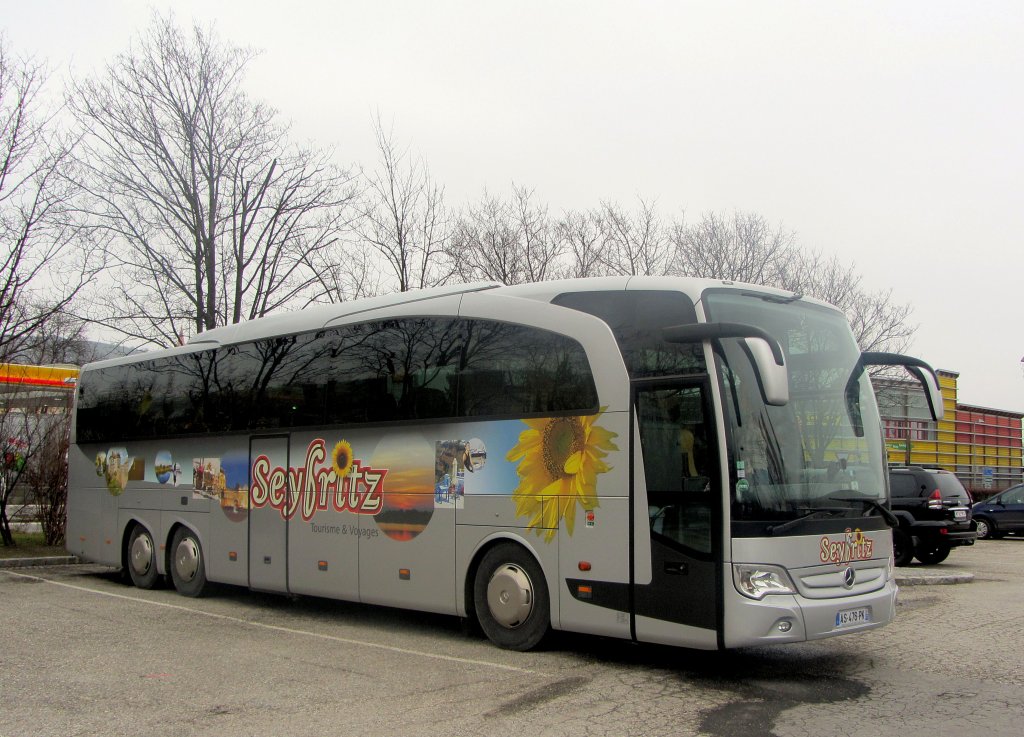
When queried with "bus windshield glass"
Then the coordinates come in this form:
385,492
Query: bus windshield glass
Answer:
818,457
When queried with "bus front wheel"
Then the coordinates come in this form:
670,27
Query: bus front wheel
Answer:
511,598
188,567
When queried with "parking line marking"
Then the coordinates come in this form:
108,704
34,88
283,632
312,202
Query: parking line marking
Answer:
278,628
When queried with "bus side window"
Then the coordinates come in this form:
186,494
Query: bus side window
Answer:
512,370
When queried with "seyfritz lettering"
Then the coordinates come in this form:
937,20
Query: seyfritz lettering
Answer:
316,485
855,545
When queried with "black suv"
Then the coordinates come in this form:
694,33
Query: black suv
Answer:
934,510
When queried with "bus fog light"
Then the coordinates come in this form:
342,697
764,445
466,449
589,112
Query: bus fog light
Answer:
757,581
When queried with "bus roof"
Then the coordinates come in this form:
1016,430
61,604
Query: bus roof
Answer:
313,318
693,287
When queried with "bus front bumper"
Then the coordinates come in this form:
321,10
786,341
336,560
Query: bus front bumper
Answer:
794,618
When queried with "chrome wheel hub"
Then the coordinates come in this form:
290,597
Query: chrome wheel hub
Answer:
186,559
142,555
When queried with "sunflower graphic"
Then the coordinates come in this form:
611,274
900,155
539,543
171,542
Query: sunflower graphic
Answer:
341,458
559,459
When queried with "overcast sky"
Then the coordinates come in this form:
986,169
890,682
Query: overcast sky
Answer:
890,134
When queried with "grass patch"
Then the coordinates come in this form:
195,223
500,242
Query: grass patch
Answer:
30,545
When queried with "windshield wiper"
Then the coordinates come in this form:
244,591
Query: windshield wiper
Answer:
777,299
890,519
813,514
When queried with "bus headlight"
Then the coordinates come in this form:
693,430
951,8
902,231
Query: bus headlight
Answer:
757,581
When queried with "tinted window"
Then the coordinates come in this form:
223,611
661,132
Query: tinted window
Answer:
185,395
271,383
150,398
368,372
903,484
392,370
950,486
101,403
636,319
403,369
515,370
679,464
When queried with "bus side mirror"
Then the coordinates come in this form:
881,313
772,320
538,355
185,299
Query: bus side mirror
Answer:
920,370
764,352
774,376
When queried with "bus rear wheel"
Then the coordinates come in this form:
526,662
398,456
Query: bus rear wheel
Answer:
142,558
188,567
511,598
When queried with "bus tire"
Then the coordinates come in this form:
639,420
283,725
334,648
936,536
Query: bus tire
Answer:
188,566
511,598
142,558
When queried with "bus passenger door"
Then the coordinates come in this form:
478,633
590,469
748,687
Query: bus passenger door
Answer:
268,528
678,493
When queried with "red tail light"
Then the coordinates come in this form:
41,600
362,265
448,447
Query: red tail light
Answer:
935,500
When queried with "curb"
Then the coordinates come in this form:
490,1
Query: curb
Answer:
57,560
933,578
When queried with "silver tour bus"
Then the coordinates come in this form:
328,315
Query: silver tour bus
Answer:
680,461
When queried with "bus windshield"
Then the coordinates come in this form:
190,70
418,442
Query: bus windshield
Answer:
818,457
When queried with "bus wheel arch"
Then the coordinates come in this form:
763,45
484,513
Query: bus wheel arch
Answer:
139,555
507,594
186,561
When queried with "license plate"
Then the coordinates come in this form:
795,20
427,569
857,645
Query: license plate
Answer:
959,514
849,617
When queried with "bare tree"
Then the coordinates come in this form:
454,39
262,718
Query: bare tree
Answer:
879,322
633,244
404,216
211,215
580,233
13,452
44,259
511,242
742,247
541,248
353,275
46,474
483,244
61,339
33,457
